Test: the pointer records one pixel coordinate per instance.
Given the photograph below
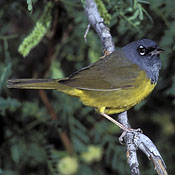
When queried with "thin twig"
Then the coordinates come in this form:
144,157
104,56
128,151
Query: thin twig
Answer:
51,55
86,32
133,140
63,135
97,22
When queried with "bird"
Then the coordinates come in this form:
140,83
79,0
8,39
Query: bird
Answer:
113,84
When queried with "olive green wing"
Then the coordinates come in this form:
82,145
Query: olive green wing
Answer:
110,73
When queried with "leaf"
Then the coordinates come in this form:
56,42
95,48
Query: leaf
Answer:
8,103
134,16
39,31
140,12
4,75
17,151
144,2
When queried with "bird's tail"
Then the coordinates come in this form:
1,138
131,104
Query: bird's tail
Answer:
33,83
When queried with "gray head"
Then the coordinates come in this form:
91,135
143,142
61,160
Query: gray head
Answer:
145,53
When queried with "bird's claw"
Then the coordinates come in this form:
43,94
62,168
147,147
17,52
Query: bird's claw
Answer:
130,130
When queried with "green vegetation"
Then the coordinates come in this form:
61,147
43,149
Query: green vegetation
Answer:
37,127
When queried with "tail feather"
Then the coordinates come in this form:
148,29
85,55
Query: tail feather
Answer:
33,83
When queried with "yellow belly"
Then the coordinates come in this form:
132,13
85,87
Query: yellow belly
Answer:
114,101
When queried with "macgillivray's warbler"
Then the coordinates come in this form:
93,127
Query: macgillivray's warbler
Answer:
113,84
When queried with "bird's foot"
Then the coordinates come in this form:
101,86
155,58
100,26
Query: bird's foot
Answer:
116,122
130,130
124,128
106,53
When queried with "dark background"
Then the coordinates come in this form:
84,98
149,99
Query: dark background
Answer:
37,127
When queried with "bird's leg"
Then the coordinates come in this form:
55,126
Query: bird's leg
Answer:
116,122
121,126
124,128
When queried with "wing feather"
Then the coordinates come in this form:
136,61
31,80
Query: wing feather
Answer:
114,72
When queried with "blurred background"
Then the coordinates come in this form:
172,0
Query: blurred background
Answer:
48,132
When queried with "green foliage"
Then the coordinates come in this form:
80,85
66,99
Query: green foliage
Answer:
103,12
30,6
133,13
68,165
8,103
5,72
31,141
93,154
39,31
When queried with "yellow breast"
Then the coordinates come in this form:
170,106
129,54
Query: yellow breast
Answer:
133,95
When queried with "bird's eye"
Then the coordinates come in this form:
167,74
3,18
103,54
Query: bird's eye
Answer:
142,50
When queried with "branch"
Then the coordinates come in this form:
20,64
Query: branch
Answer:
137,140
96,21
130,140
64,138
133,140
52,52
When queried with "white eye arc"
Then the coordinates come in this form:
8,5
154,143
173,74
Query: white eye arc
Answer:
142,50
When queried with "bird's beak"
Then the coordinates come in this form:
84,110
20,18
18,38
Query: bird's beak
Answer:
157,51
